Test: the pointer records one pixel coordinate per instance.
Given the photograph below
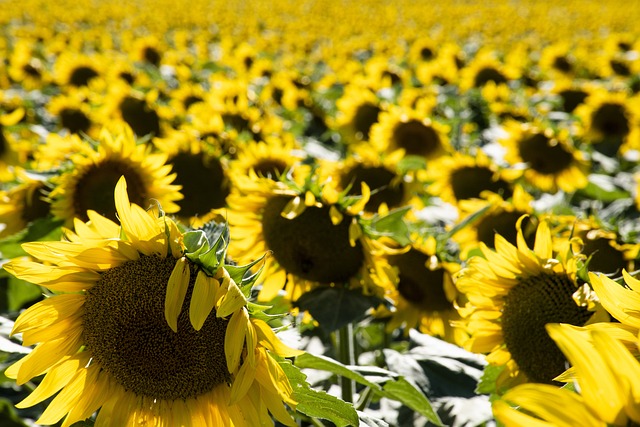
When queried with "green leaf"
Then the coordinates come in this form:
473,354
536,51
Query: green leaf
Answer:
318,404
602,187
20,292
39,230
243,276
405,392
382,382
465,222
334,308
8,415
411,163
390,225
487,384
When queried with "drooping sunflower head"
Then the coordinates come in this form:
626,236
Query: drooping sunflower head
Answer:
90,175
513,292
202,174
317,235
408,130
548,159
152,322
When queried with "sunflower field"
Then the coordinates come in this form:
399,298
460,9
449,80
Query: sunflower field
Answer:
319,213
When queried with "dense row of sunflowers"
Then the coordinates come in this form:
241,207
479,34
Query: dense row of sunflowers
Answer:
182,193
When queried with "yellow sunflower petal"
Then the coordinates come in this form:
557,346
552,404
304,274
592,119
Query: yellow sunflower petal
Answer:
58,377
511,417
46,312
557,406
234,338
293,208
543,246
621,302
335,215
137,224
242,382
203,299
176,292
268,339
232,300
597,384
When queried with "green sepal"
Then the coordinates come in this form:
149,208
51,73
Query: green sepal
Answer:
243,276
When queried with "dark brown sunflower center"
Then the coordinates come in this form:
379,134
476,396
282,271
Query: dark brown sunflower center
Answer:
127,334
151,55
143,119
416,138
270,168
205,185
504,224
621,68
529,306
419,285
80,76
604,257
388,188
468,182
562,63
571,98
34,205
426,54
310,246
611,120
544,155
94,189
190,100
366,115
74,120
488,74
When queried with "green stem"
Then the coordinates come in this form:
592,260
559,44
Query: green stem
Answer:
346,357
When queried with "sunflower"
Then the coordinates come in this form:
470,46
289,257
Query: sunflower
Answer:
23,203
91,174
379,170
558,60
316,235
425,295
513,292
73,112
610,121
412,131
74,69
464,176
11,152
268,159
358,110
147,327
124,104
498,216
485,67
605,249
607,376
26,67
550,163
202,174
604,359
